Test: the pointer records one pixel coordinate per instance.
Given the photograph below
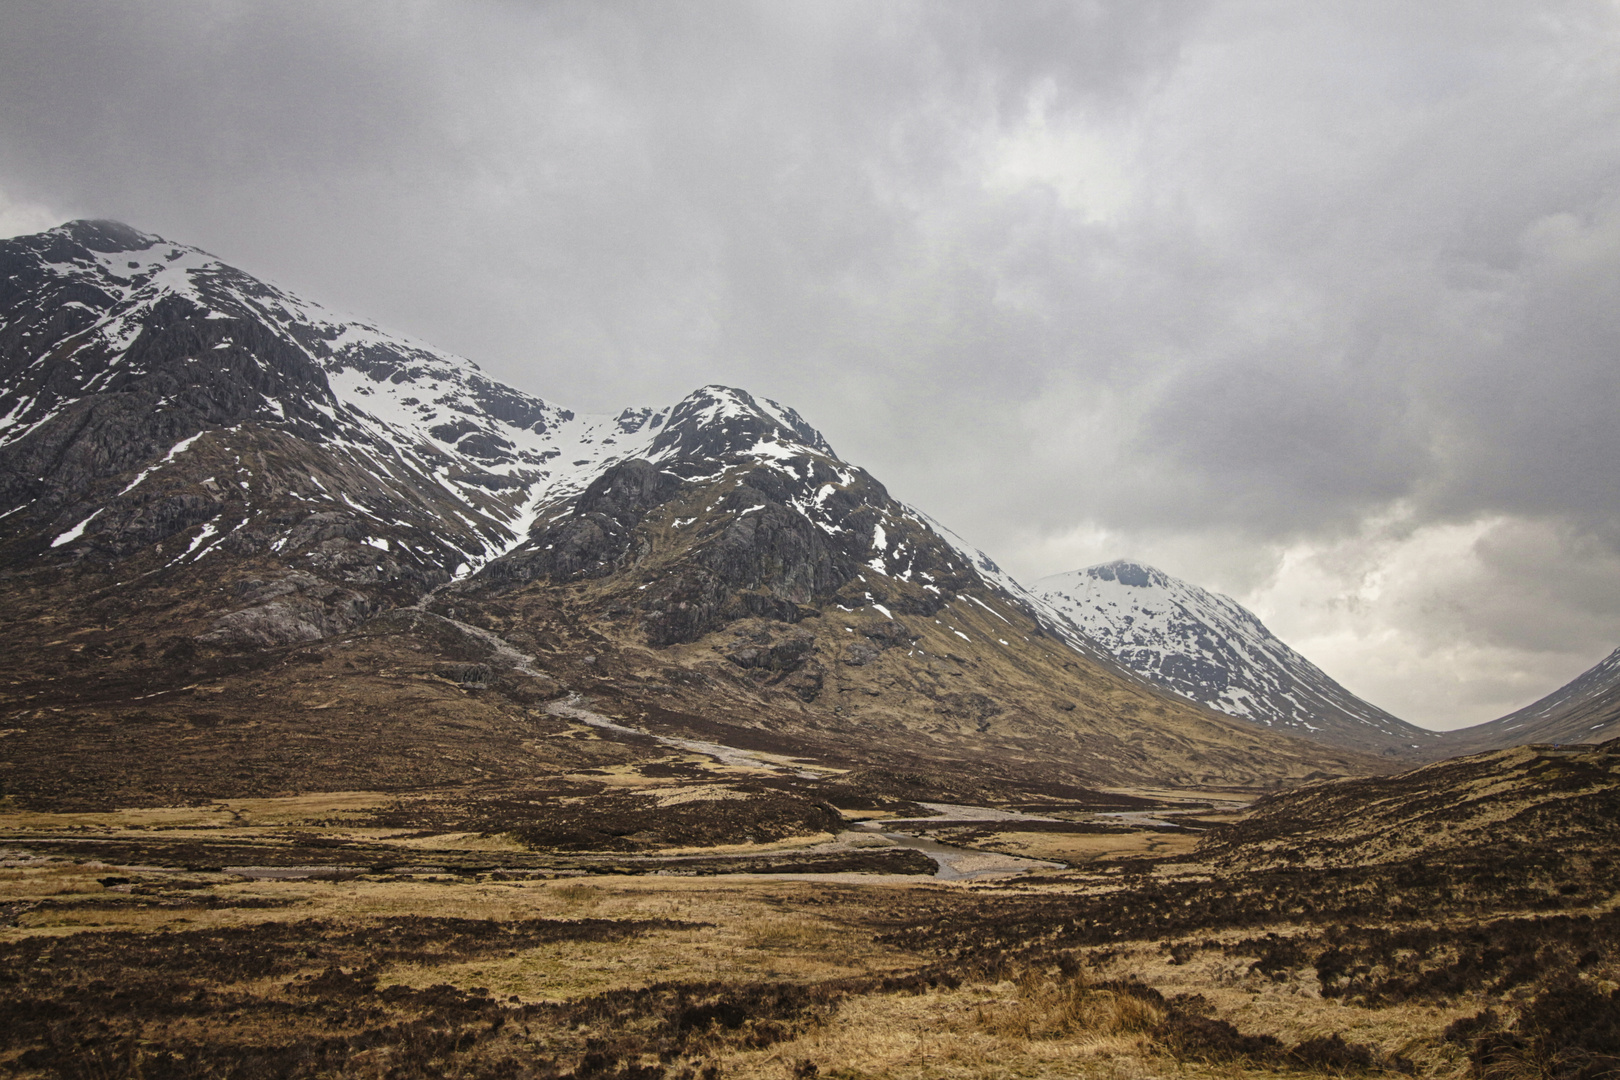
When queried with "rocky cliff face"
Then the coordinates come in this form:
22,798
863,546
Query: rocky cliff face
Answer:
1210,649
771,521
196,459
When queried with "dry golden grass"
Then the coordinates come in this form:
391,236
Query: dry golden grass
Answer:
1077,847
567,971
49,880
1043,1007
993,1032
747,935
330,807
1291,1007
799,933
576,896
1035,1024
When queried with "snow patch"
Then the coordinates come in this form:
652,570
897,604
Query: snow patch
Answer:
75,532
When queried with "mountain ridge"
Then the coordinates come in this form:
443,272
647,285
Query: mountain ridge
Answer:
194,459
509,454
1583,710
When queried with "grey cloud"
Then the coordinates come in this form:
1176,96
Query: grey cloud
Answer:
1223,272
115,102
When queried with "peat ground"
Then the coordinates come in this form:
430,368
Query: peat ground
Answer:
357,935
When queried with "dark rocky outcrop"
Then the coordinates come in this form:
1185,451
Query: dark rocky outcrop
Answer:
294,608
889,634
597,536
861,653
765,651
753,552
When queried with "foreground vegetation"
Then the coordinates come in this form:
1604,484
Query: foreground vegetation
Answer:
1141,957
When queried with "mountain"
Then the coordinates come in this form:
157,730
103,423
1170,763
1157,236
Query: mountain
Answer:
120,349
1584,710
248,545
1210,649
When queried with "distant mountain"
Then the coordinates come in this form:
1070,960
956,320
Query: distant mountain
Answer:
1210,649
1584,710
203,476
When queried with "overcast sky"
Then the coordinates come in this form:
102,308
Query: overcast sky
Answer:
1316,304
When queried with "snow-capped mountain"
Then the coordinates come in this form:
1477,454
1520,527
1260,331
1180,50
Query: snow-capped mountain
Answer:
127,360
181,343
1207,647
192,456
95,311
151,394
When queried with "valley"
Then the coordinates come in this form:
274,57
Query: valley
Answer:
365,717
363,943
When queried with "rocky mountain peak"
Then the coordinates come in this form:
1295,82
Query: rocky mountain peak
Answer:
108,237
154,345
715,421
1128,573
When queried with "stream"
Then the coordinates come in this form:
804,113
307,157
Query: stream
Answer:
952,863
963,864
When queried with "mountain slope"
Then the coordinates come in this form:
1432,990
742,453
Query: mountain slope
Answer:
211,490
118,349
1584,710
1210,649
1491,809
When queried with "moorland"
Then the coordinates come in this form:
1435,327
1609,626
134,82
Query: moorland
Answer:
1466,928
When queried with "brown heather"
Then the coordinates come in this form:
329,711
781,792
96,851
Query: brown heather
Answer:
1480,954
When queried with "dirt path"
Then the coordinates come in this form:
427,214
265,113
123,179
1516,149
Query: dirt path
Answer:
570,709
